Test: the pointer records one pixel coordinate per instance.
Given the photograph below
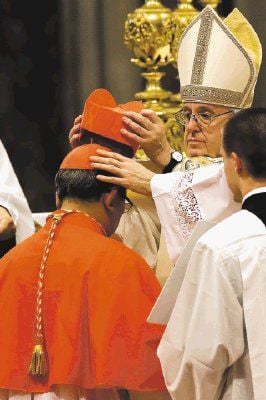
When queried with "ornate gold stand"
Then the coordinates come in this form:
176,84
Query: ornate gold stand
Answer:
149,32
152,32
154,93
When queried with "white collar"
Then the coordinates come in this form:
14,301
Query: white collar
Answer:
254,191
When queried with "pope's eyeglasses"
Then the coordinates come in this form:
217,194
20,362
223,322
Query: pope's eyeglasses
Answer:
203,119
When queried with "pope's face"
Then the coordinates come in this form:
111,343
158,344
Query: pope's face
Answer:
202,140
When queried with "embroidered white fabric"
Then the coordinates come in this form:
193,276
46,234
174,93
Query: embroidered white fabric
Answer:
185,204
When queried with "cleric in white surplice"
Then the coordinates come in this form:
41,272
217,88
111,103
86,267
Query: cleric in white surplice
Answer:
214,346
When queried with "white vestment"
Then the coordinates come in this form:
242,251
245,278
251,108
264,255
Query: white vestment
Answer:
183,198
214,346
13,199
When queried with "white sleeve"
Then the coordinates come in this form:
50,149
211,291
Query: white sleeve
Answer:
204,335
161,186
13,199
183,198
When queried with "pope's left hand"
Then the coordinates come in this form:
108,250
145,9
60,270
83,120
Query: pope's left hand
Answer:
7,226
74,133
147,130
127,172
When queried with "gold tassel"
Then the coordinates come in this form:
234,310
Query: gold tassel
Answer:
38,365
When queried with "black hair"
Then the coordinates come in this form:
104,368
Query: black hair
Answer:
245,135
82,184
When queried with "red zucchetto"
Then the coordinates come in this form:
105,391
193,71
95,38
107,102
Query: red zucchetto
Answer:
79,158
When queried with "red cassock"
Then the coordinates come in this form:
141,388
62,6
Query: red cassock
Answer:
96,298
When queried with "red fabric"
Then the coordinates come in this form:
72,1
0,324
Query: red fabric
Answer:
79,158
97,296
103,115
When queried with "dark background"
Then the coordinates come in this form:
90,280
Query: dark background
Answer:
52,55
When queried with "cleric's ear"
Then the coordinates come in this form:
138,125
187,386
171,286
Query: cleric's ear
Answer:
238,164
111,200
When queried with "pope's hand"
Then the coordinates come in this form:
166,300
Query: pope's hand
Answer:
147,130
7,226
127,172
74,133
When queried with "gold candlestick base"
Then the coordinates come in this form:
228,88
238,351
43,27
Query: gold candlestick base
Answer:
153,93
176,99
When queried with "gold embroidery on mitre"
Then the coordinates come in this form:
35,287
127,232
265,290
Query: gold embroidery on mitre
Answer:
202,49
204,94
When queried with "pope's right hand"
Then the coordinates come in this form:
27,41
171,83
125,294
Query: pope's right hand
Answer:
124,171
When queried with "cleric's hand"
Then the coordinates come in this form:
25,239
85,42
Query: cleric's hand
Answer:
148,130
128,173
74,133
7,226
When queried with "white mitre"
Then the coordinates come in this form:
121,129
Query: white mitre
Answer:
219,60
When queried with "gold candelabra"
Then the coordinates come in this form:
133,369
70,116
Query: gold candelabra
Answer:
149,33
153,32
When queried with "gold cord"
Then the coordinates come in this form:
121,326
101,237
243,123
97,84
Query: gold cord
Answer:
38,364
